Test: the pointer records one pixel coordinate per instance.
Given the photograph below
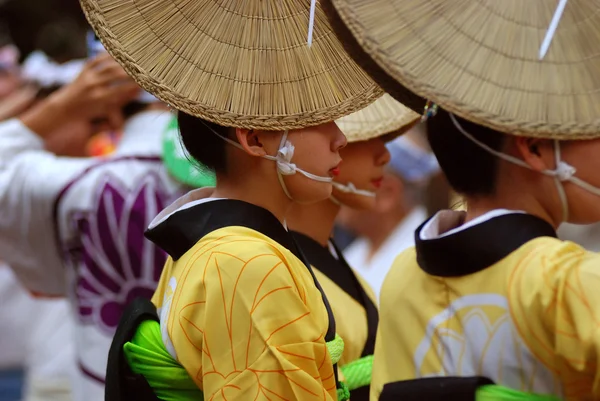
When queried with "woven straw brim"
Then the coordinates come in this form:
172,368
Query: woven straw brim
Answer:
241,64
384,118
480,59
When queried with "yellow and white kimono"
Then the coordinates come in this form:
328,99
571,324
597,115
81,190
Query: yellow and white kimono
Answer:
238,310
499,297
354,307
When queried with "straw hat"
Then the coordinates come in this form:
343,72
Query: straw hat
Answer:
238,63
483,60
385,116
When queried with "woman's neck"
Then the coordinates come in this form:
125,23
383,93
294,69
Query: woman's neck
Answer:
257,192
315,220
523,202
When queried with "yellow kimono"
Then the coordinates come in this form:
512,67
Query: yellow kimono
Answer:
503,299
354,307
238,310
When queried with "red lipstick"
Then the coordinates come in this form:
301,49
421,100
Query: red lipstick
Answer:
377,182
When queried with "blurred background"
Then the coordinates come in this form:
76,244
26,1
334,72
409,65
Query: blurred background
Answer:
57,27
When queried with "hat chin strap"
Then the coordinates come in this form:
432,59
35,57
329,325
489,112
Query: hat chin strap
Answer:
349,188
283,160
563,171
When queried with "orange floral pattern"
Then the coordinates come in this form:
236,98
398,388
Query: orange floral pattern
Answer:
246,320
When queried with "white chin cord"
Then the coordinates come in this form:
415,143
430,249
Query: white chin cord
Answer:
349,188
283,160
563,171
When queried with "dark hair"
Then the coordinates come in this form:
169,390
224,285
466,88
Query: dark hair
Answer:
62,40
202,144
470,170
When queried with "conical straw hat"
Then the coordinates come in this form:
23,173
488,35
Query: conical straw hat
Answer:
481,59
243,63
385,117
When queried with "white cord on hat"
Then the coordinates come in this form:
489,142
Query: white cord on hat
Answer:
552,28
311,21
563,171
283,160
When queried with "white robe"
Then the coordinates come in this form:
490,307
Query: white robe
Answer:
74,227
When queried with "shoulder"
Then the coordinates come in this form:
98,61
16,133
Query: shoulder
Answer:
402,273
245,259
550,261
547,272
404,264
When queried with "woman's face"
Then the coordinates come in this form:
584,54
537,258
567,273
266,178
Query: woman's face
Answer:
363,165
584,206
317,151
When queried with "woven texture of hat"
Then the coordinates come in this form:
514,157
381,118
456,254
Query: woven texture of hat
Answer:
383,117
480,59
240,63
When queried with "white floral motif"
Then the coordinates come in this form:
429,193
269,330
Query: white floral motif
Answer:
483,347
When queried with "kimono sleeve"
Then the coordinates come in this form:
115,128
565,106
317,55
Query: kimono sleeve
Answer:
30,182
253,333
555,302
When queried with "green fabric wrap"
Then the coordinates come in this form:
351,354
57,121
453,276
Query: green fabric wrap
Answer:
148,356
358,373
343,394
335,348
493,392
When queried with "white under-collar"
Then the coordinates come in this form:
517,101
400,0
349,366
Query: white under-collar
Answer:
431,230
191,199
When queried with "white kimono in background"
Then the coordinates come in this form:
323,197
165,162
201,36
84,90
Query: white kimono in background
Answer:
36,335
74,227
374,270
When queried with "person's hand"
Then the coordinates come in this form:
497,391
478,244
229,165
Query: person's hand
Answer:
98,93
17,102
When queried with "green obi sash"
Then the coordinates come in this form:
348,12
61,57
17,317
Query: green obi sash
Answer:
358,373
147,356
493,392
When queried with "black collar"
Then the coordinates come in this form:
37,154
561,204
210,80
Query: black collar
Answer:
180,231
340,272
478,247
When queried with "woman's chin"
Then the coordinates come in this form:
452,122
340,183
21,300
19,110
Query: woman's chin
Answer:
354,201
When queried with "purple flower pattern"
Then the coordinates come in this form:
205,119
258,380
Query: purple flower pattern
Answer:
117,263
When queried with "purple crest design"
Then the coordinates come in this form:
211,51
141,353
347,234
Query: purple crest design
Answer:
117,263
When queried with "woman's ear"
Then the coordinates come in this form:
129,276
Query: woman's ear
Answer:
537,153
250,141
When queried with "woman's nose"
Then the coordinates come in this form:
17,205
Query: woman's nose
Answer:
339,140
383,154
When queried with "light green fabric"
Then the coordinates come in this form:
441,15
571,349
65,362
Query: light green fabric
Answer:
358,373
148,356
335,348
493,392
181,165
